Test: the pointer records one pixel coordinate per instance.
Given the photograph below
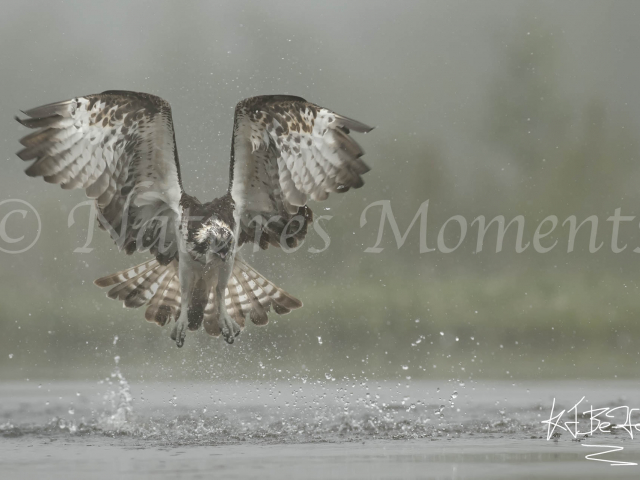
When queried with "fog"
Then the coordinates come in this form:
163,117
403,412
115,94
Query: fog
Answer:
482,108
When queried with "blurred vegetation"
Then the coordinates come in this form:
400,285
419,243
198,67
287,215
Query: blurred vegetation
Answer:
539,150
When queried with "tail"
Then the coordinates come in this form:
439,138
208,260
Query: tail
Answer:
158,286
250,293
149,283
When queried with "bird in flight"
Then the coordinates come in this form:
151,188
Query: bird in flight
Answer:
120,147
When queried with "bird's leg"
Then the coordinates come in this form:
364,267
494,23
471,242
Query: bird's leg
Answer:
188,282
230,328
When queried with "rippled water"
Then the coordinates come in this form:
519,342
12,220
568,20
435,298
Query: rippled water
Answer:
301,429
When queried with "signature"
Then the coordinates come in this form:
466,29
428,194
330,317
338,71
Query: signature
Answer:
594,420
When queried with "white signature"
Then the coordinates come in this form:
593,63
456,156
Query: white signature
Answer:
596,420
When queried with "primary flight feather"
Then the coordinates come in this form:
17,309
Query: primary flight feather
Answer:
120,147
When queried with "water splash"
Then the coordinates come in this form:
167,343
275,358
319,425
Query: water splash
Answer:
352,419
304,410
121,402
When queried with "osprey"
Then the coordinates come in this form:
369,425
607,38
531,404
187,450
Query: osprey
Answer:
120,147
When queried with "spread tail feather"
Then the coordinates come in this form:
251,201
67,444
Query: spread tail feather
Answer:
248,293
149,283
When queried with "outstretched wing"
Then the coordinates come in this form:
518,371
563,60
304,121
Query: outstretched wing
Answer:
286,150
120,147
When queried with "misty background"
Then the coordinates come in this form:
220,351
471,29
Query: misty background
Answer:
482,108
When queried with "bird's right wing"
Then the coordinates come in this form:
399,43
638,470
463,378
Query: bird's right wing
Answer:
120,148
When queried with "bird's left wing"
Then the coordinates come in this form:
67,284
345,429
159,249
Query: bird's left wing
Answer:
285,151
120,147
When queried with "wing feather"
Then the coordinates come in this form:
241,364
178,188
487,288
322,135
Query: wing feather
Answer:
286,150
120,148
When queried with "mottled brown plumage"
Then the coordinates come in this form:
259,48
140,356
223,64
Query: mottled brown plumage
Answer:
120,148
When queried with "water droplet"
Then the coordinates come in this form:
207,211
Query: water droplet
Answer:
320,340
11,355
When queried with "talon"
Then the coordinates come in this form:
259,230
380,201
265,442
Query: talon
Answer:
228,337
179,333
180,339
230,328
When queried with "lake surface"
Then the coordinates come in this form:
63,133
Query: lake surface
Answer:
308,429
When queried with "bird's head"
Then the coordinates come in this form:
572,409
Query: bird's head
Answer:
215,238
